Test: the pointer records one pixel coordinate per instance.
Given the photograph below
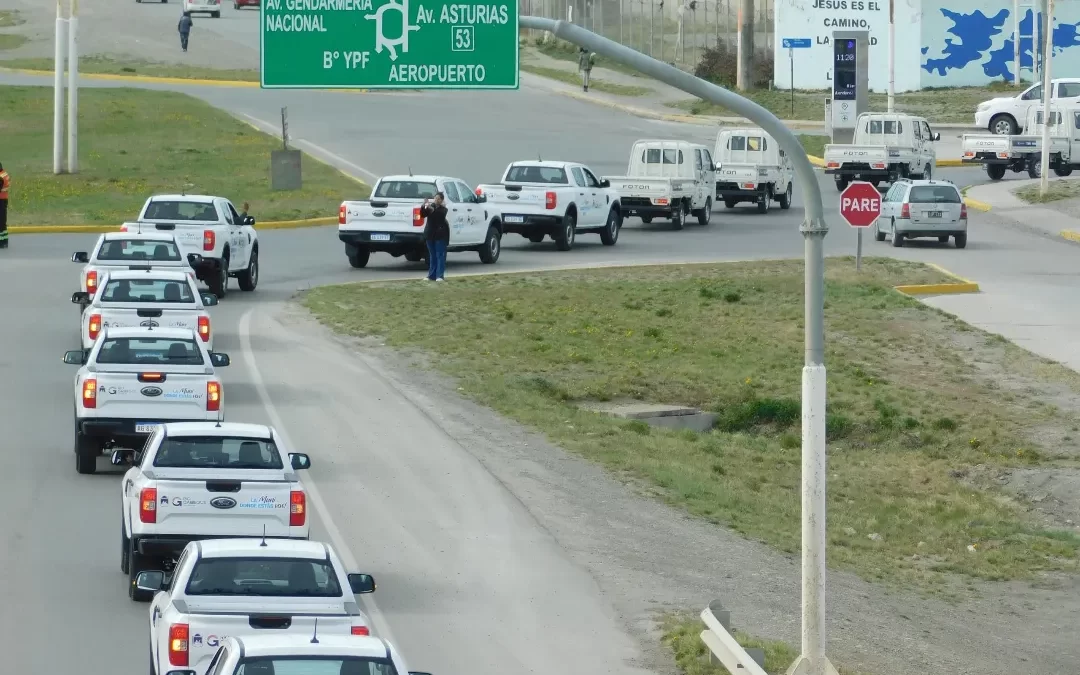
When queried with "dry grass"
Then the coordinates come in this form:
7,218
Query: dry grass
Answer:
1056,190
106,65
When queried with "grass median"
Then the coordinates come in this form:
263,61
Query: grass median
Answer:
1056,190
916,400
134,143
594,84
105,65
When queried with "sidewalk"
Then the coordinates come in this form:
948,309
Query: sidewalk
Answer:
1058,218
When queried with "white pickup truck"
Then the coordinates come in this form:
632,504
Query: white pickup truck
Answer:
555,199
999,153
210,226
121,251
1004,115
204,480
224,588
316,654
391,221
133,379
667,179
751,167
887,146
149,298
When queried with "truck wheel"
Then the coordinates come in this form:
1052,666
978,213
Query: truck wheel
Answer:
897,238
1003,125
415,255
249,278
610,234
1034,168
137,562
489,254
359,258
1062,170
878,234
564,240
730,203
125,552
785,199
646,219
705,214
995,171
841,183
87,450
219,284
961,240
765,200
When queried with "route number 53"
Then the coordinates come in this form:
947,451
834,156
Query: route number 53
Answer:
462,38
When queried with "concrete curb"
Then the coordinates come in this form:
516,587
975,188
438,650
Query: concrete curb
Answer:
101,229
160,80
976,204
1071,235
962,285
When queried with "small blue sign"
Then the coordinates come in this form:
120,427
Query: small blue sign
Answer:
796,43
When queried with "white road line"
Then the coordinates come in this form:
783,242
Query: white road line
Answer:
314,149
381,626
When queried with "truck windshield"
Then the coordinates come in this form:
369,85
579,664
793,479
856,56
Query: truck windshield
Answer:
132,250
180,210
934,194
273,577
405,189
147,290
885,127
316,665
152,351
537,174
209,452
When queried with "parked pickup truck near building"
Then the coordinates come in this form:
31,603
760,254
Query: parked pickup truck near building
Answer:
561,200
247,587
999,153
751,167
391,222
667,179
204,480
887,146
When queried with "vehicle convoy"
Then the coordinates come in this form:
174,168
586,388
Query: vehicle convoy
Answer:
316,654
225,588
752,167
226,242
203,480
1005,114
667,179
999,154
913,209
561,200
134,379
120,251
148,298
391,221
887,146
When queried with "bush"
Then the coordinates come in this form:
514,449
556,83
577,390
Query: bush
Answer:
718,65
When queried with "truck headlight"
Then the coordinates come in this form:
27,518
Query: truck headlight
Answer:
982,106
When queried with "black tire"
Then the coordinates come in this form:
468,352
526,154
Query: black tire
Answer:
874,181
415,255
609,236
215,15
360,258
897,238
489,254
878,234
961,240
678,217
705,214
1003,125
564,240
536,238
841,183
137,563
219,285
765,201
995,171
87,450
1034,168
249,278
1062,170
646,219
730,203
785,199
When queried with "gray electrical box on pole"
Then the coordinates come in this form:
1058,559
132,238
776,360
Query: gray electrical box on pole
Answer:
851,82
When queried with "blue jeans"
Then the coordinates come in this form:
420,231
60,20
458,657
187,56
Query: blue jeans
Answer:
436,251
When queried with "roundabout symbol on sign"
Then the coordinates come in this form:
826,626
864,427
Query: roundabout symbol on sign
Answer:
381,40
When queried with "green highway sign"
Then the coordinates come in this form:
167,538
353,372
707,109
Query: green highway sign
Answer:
389,44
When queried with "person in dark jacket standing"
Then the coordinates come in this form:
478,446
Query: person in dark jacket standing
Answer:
437,233
5,186
185,29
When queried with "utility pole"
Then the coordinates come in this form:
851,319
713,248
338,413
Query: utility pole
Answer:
73,90
1016,42
1048,117
58,91
744,44
892,56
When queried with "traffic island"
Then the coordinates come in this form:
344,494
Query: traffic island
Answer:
916,398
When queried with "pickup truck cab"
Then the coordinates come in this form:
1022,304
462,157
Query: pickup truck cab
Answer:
1005,114
204,480
211,227
149,298
316,654
224,588
556,199
667,179
751,167
391,221
120,251
134,379
887,146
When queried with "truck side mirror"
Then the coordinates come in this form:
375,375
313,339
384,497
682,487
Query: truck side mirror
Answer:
361,583
219,360
209,299
936,136
298,460
80,257
80,298
605,183
249,220
75,357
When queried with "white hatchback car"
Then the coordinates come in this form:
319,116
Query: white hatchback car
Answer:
211,7
914,209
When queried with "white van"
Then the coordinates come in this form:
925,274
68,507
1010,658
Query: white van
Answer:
752,167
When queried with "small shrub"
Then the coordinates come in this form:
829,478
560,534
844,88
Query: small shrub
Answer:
747,416
945,424
719,65
639,427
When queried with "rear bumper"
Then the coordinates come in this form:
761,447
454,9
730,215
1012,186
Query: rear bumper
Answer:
992,158
643,206
121,430
530,223
926,230
733,191
171,545
396,244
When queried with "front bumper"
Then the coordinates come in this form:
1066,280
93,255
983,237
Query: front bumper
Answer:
982,119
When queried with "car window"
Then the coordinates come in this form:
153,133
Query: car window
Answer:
590,179
316,665
917,131
661,156
537,174
228,215
708,160
231,452
134,250
467,195
885,127
1033,94
181,210
1068,89
147,290
736,143
150,352
451,191
755,143
579,177
264,577
929,135
405,189
934,194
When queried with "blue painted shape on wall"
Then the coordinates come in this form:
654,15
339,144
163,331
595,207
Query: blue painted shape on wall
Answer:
976,32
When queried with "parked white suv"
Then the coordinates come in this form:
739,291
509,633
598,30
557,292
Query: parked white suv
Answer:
1005,114
922,208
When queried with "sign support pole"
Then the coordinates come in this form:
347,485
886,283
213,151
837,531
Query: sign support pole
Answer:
791,62
892,57
858,250
58,90
1048,55
1016,42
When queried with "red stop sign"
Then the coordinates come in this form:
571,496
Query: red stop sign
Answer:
860,204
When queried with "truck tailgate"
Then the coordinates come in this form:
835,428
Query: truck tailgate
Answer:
134,314
189,235
259,498
129,392
837,155
648,188
381,216
741,174
515,197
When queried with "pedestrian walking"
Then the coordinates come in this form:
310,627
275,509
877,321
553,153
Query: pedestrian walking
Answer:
5,186
585,63
437,234
185,29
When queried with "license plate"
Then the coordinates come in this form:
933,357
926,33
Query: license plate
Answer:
934,214
514,219
146,427
380,237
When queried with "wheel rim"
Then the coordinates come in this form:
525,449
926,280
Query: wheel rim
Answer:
1002,127
253,270
494,246
570,232
614,226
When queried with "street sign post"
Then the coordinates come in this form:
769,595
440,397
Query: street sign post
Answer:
791,44
860,206
389,44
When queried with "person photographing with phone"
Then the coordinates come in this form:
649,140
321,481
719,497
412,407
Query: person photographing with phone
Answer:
437,234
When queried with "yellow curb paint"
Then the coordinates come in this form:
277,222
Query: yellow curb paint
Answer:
816,161
976,204
1071,235
161,80
939,268
101,229
938,289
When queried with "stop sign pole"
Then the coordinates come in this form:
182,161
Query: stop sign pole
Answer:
860,206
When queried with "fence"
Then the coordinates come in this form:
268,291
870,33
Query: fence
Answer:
673,31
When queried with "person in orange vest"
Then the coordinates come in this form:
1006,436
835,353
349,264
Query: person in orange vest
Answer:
5,185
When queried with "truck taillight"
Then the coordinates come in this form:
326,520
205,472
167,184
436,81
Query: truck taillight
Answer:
148,505
905,211
417,217
213,396
963,212
360,630
550,200
178,644
89,393
208,240
748,186
204,328
341,215
91,282
93,326
832,165
297,509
